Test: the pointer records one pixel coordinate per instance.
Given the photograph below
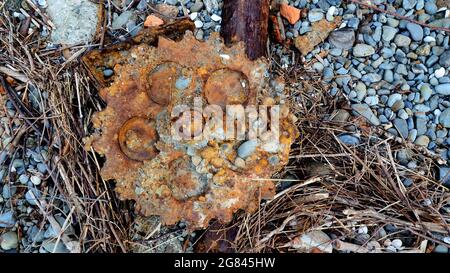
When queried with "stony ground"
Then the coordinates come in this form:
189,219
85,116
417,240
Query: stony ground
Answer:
395,73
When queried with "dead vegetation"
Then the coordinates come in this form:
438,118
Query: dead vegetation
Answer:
336,188
339,188
61,122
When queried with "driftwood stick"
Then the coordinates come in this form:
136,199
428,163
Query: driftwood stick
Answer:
246,21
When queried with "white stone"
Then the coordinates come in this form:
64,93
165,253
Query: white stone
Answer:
397,243
216,18
193,16
439,73
314,239
9,240
363,229
36,180
429,39
239,162
446,240
330,13
42,3
198,24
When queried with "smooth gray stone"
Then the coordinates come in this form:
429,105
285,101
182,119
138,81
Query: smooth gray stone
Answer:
402,127
443,89
363,50
365,111
348,139
415,30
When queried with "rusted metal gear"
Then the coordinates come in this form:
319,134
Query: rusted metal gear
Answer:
195,180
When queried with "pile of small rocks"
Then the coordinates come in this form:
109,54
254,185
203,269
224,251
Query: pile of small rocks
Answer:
205,14
394,72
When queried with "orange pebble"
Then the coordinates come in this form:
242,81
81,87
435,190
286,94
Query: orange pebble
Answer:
291,13
153,21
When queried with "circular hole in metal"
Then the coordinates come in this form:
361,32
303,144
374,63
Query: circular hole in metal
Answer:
137,139
163,79
226,87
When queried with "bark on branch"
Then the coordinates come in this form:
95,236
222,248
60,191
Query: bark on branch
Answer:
246,21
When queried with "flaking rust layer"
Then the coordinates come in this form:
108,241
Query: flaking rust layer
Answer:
194,180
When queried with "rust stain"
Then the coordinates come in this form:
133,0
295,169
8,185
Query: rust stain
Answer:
196,180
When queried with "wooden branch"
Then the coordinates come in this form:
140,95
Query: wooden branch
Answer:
246,21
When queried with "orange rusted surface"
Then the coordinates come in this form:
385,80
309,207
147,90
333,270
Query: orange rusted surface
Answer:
191,180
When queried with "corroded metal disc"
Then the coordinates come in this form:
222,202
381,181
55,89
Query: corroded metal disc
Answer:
193,180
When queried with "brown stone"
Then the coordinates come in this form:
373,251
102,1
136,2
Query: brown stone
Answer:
153,21
319,33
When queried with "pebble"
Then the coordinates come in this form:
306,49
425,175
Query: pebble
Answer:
342,39
444,176
23,179
439,73
440,249
36,180
193,16
415,30
426,92
74,22
318,66
348,139
402,41
402,127
30,198
108,73
430,7
365,111
314,239
389,33
444,59
371,100
363,50
122,19
239,162
341,116
422,141
393,99
407,182
7,219
429,39
247,148
197,6
9,240
216,18
404,156
330,14
315,15
397,243
198,24
52,246
36,235
444,118
182,83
